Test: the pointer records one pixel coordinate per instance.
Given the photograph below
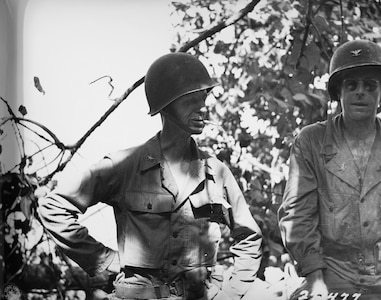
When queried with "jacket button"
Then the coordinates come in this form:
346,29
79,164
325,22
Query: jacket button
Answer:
174,262
365,224
149,205
175,234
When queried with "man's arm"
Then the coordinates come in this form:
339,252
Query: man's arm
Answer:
59,212
299,212
247,248
299,217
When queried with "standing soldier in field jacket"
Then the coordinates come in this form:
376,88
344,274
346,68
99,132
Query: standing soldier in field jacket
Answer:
330,218
169,199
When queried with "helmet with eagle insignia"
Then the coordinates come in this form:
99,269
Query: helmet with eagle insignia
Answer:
352,54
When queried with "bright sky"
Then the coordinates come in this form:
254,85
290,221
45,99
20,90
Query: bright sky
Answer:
70,43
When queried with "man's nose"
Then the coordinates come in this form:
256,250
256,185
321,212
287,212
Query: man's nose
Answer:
200,104
360,87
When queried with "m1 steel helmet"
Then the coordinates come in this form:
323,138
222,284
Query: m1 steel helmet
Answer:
352,54
174,75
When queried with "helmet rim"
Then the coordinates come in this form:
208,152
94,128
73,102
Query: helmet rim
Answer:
356,54
335,76
153,111
174,75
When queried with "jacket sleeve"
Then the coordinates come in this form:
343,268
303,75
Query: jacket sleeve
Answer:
59,211
247,246
299,213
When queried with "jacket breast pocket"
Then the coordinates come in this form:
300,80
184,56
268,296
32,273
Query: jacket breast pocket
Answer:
339,216
143,213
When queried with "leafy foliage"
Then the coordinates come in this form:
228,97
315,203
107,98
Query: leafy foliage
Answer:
272,66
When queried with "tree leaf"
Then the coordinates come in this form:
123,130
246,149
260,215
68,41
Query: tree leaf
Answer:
312,53
302,98
321,23
37,84
22,110
295,52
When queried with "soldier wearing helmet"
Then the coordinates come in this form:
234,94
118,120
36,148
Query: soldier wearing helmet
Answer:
330,218
169,199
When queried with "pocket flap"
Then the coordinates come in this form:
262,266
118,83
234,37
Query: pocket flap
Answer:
202,198
149,202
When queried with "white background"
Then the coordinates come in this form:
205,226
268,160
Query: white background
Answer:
68,44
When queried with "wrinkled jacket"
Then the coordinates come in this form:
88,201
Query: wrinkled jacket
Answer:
157,228
326,219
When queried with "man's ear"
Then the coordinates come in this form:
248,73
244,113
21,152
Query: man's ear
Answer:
338,108
164,111
338,90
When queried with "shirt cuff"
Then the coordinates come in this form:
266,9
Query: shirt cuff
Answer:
310,263
114,266
110,260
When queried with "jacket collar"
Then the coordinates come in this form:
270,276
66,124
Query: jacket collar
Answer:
152,154
338,160
199,168
333,137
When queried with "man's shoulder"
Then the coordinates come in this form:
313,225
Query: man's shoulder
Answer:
123,154
212,161
132,153
208,155
313,130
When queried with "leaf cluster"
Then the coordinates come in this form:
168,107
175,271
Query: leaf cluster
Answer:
272,66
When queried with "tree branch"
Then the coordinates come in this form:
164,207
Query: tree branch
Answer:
342,38
16,129
307,30
117,101
57,142
232,20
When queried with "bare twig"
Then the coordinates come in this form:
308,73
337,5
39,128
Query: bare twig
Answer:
17,120
307,30
342,38
59,156
377,5
40,150
36,133
232,20
323,50
15,128
109,82
43,127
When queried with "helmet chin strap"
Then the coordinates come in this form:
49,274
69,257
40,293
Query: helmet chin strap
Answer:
165,115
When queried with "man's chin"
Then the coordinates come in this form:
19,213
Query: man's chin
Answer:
197,131
197,127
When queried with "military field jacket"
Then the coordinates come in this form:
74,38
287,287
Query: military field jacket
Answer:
329,218
157,228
